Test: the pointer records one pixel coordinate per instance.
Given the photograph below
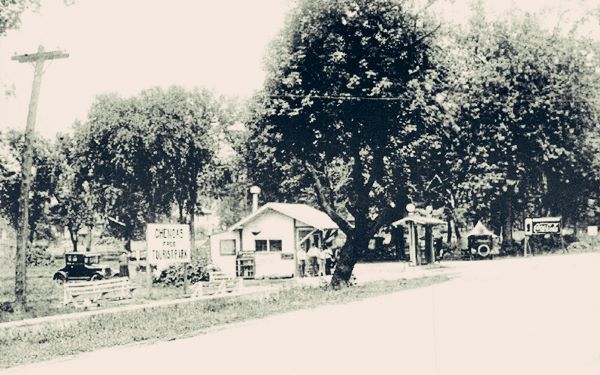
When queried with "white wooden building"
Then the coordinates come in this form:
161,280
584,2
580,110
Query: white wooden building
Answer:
265,243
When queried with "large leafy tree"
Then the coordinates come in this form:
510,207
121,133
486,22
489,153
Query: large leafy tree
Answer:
113,158
182,142
146,153
525,102
74,205
350,84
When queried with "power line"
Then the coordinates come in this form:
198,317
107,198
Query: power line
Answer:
336,97
396,98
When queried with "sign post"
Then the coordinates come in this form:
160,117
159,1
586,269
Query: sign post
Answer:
592,231
542,226
169,244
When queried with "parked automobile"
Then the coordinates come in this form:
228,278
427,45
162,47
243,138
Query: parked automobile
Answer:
83,266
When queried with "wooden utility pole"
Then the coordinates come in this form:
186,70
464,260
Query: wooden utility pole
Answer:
23,223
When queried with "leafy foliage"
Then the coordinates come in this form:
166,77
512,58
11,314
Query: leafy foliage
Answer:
74,202
10,13
143,154
38,255
10,180
525,102
351,91
198,270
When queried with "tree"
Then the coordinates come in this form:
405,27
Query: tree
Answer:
116,164
74,206
351,90
10,180
182,143
524,102
10,13
144,154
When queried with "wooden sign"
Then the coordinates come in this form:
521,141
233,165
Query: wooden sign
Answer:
287,256
542,225
168,243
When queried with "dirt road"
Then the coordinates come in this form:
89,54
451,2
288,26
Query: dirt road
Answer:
519,316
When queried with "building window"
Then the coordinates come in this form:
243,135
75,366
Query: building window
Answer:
227,247
260,245
268,245
275,245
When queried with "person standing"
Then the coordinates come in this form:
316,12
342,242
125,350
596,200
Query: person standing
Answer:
313,254
124,264
302,262
324,256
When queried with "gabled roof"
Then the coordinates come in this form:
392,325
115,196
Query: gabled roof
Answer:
301,212
480,230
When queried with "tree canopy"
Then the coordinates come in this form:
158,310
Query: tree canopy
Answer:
350,84
10,179
146,153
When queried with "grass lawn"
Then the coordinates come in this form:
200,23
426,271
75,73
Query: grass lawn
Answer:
45,296
32,344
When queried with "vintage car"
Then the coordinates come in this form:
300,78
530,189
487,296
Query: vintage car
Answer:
82,266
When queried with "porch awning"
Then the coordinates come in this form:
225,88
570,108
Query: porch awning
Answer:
421,220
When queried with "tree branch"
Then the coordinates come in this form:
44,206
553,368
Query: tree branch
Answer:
387,216
325,204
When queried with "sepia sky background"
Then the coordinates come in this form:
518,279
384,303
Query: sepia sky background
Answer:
125,46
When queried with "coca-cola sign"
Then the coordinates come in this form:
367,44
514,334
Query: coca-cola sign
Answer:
552,227
542,225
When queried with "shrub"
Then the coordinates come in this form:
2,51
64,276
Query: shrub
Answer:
579,247
6,307
451,252
543,244
198,270
38,256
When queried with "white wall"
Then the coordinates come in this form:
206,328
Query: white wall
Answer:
272,226
225,262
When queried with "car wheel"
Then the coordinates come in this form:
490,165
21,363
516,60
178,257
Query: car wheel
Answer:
59,278
95,277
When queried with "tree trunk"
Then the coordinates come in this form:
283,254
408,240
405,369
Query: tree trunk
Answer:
88,246
507,225
180,207
73,237
192,213
457,232
449,232
349,254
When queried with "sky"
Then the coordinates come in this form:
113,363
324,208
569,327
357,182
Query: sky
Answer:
125,46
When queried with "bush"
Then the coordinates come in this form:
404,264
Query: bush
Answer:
6,307
541,244
197,271
451,252
379,254
579,247
38,256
